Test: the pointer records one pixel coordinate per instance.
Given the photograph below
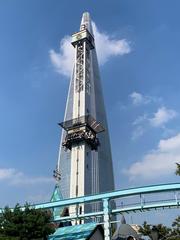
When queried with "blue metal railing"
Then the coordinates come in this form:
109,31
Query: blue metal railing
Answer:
106,198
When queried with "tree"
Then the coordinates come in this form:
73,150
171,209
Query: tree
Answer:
147,230
163,232
175,232
26,224
178,169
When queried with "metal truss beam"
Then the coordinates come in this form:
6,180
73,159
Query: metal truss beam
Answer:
106,197
172,187
137,208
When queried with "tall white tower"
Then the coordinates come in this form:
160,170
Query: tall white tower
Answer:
85,161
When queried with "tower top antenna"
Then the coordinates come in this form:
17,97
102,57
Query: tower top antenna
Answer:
86,22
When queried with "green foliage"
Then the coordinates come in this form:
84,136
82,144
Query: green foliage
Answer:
145,229
8,238
25,224
178,169
175,233
163,231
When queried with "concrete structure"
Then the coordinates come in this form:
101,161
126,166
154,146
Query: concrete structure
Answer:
85,160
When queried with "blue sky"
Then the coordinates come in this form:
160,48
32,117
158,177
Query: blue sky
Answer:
138,46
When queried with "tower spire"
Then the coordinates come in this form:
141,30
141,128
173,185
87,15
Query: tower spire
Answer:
85,153
86,22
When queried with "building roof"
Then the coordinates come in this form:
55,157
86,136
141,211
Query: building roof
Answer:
124,231
56,196
75,232
123,220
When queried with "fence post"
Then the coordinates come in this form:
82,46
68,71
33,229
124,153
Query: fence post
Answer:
106,216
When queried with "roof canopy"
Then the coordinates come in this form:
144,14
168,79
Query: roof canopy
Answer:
75,232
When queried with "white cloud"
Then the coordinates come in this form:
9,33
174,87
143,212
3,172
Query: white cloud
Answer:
140,99
159,162
162,116
106,47
6,173
63,61
171,144
15,177
138,132
158,119
137,98
140,119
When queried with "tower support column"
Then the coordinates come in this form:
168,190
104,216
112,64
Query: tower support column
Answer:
107,224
